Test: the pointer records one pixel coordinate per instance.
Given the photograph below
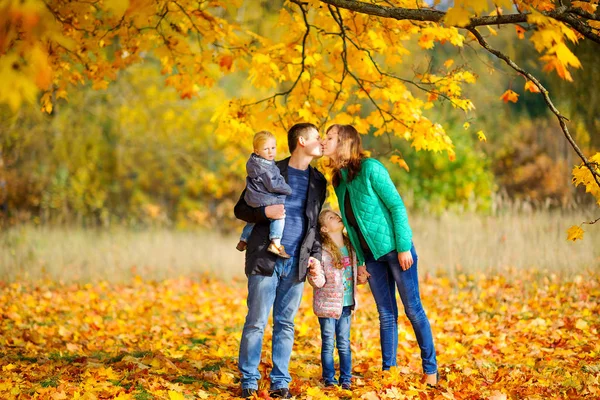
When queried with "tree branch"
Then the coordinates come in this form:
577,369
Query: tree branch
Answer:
561,118
592,222
304,38
564,14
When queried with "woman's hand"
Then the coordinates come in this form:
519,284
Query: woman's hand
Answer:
363,275
405,259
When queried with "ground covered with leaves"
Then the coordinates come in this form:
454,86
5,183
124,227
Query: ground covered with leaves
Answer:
529,337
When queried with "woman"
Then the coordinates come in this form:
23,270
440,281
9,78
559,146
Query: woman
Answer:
377,224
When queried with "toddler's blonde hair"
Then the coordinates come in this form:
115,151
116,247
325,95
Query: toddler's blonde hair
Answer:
261,137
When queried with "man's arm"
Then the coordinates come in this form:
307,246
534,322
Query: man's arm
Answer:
317,249
260,214
249,214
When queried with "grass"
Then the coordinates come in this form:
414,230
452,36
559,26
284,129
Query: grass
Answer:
30,253
510,242
452,244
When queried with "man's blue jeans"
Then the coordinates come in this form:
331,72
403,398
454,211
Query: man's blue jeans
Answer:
386,275
275,231
283,293
337,330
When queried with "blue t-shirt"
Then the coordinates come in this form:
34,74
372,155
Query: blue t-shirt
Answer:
348,277
295,211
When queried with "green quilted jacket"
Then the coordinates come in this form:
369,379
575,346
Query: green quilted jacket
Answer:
378,208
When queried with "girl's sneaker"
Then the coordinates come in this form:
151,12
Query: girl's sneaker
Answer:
346,386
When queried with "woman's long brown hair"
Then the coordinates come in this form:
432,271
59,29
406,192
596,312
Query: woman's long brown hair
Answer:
330,245
349,153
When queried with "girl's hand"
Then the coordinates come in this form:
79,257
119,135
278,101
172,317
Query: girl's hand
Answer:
313,265
405,259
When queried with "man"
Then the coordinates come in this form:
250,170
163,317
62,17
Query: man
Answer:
275,282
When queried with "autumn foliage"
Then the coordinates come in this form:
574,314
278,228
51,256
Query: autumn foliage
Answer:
319,61
530,336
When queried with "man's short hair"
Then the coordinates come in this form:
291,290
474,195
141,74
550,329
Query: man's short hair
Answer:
296,131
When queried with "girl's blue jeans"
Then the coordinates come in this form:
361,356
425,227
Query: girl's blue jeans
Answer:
386,275
275,232
338,331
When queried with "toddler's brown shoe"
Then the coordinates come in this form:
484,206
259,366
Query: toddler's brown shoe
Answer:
280,251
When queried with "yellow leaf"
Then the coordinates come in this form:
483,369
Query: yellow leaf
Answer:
565,55
314,391
575,232
497,396
203,395
581,324
59,395
9,367
448,63
117,7
400,161
100,85
370,396
173,395
457,16
124,396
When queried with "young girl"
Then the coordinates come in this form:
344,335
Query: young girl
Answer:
265,186
334,283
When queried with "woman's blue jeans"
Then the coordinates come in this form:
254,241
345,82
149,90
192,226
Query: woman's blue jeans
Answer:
386,275
338,331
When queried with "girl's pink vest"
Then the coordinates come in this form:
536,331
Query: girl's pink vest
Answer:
328,286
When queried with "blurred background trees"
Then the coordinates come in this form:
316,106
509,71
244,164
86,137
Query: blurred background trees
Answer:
136,153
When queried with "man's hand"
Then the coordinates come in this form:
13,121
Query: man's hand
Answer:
276,211
363,275
405,259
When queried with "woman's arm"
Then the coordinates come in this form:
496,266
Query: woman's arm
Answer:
386,190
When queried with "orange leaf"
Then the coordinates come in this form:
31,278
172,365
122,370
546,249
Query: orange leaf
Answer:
520,31
226,62
509,95
531,87
400,161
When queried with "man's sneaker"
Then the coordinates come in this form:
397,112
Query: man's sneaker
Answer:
346,386
283,393
279,250
248,393
241,246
